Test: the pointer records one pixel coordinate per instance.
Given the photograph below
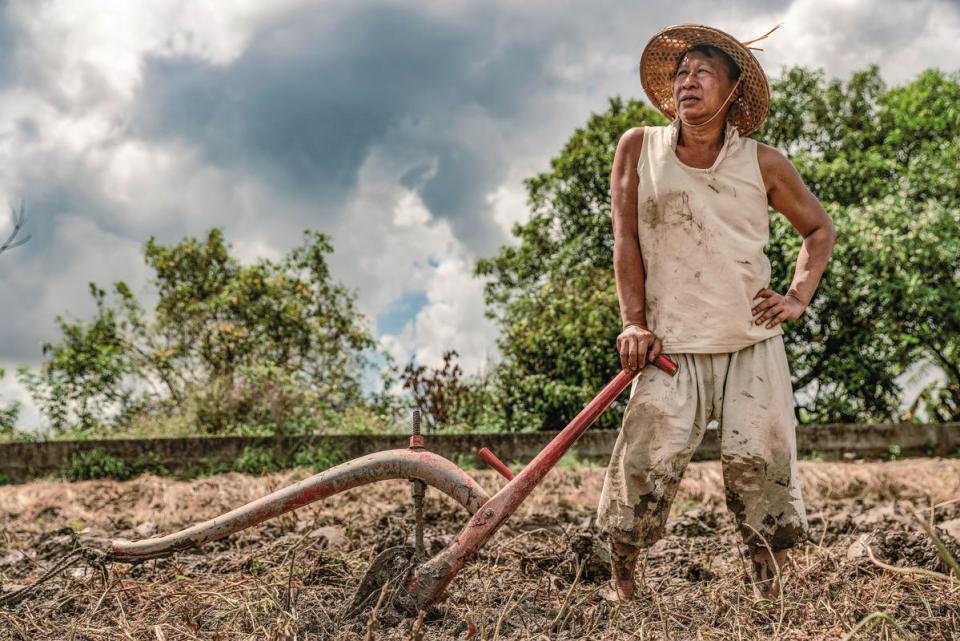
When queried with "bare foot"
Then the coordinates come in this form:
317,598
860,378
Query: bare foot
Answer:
616,592
623,562
766,579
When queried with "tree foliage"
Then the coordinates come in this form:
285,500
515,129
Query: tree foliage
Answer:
270,344
882,161
9,413
553,293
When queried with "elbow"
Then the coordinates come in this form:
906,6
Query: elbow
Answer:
824,236
831,235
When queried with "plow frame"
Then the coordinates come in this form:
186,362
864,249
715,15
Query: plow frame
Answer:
426,584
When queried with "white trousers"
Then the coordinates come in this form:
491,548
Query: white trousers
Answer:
750,393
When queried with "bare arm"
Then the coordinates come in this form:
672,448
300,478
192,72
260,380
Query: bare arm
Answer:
787,193
635,340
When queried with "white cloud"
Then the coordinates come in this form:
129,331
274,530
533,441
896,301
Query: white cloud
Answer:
410,211
903,38
509,206
80,42
389,254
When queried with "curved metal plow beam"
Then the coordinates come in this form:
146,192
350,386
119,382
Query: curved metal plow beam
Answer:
431,468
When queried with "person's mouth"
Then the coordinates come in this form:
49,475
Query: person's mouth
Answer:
688,99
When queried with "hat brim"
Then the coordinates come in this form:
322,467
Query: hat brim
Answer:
659,61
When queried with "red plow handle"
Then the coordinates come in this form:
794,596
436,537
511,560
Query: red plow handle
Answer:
491,459
431,578
488,457
666,364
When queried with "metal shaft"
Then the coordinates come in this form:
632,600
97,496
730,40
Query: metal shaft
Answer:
419,490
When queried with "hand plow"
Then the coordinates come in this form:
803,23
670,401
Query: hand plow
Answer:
419,582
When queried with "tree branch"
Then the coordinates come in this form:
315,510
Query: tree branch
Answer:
19,217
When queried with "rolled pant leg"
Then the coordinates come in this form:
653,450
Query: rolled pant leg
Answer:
758,447
662,426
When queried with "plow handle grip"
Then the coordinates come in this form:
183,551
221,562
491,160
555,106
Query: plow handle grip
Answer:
667,365
491,459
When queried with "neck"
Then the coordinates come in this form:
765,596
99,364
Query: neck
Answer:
710,136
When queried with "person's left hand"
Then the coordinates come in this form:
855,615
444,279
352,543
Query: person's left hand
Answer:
776,308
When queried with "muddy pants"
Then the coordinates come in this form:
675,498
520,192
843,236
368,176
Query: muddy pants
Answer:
750,394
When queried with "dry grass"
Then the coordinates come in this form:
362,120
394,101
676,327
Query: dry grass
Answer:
538,578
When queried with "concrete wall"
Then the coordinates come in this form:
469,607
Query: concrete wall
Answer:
23,461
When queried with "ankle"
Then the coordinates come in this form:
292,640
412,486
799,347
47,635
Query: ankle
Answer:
623,558
767,571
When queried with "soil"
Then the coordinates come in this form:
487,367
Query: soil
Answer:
539,577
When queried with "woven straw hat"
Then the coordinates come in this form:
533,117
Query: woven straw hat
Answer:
659,61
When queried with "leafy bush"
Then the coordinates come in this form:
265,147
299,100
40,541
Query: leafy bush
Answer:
227,345
256,460
96,464
317,458
9,413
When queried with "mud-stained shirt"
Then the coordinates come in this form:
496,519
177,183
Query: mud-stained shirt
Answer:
702,234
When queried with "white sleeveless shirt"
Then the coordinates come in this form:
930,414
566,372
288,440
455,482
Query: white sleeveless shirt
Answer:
702,233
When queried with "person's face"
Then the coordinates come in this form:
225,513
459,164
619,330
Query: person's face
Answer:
700,86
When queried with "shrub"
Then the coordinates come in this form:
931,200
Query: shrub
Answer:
96,464
256,460
318,458
150,463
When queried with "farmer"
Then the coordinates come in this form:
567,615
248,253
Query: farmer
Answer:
690,220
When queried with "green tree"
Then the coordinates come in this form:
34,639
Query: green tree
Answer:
271,345
883,162
84,379
9,413
553,294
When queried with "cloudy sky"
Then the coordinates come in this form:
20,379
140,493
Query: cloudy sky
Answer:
402,129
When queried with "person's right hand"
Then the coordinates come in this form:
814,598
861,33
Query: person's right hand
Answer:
637,346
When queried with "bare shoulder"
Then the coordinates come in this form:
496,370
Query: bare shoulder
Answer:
631,141
775,167
771,159
628,153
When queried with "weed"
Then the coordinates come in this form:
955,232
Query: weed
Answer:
213,467
256,460
151,463
96,464
318,457
573,460
255,566
467,462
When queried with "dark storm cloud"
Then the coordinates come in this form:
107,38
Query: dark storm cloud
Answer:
303,112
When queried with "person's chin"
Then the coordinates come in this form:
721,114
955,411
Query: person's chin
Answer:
693,115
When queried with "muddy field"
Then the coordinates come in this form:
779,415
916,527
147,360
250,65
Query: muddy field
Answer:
538,578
